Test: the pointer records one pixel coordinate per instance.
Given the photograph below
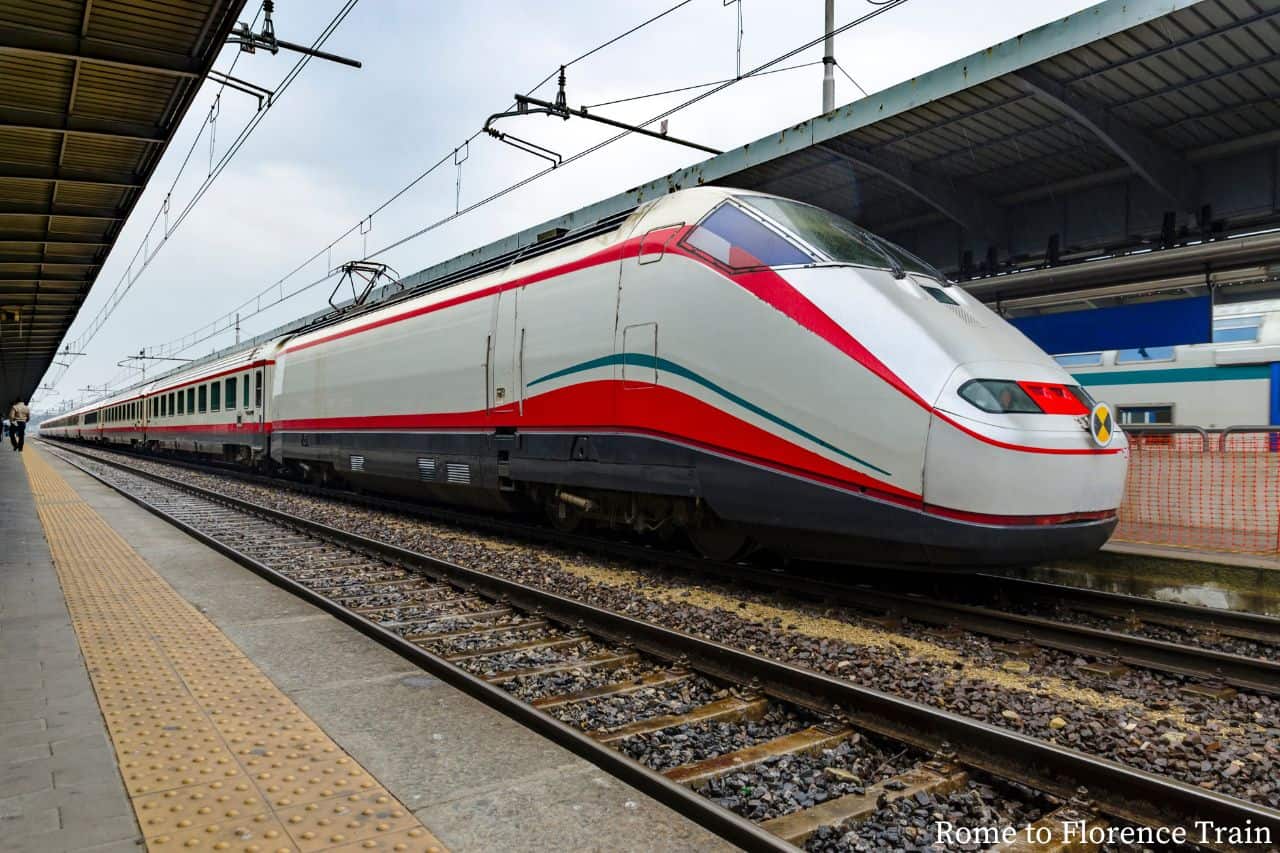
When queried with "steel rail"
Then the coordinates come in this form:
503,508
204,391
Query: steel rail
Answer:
1250,673
1237,623
1115,789
729,826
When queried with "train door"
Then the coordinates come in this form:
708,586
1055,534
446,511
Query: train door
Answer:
259,412
504,350
640,301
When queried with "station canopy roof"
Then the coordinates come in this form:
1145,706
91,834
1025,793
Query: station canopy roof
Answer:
91,92
1141,136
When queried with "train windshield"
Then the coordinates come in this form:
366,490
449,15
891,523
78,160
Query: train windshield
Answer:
837,237
740,241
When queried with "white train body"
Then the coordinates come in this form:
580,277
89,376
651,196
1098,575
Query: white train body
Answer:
1231,382
713,364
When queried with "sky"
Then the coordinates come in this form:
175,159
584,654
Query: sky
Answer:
340,141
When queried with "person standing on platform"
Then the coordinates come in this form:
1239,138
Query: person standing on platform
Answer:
19,414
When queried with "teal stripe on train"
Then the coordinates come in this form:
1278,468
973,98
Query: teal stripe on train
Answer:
642,360
1174,374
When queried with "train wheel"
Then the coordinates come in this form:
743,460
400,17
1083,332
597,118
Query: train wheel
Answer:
719,542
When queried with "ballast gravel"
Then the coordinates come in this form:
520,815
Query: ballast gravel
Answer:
573,681
789,783
913,823
610,712
693,742
1139,718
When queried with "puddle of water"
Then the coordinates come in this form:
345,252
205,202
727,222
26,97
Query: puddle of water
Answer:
1204,584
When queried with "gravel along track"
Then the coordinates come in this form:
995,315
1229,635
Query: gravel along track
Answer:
1137,717
790,783
649,708
685,744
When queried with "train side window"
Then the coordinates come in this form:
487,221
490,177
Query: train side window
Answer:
257,390
215,396
231,393
1145,414
1234,330
171,411
191,401
202,399
1144,354
1079,359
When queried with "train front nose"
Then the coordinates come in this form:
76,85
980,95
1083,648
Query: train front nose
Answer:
1037,478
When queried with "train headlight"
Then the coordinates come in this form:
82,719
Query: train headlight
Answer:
999,396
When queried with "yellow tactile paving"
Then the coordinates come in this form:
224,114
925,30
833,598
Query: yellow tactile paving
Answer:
214,756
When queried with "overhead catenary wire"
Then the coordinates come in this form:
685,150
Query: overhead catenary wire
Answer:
880,8
127,279
277,287
696,86
130,277
217,326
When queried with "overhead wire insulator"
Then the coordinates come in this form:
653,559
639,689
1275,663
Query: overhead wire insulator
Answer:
562,100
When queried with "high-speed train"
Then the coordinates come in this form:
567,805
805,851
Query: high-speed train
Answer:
753,371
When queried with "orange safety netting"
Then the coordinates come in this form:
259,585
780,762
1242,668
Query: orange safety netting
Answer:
1213,492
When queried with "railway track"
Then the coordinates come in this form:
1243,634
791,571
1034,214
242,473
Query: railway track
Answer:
608,687
1013,612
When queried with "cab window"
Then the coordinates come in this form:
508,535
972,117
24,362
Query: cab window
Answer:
736,239
837,237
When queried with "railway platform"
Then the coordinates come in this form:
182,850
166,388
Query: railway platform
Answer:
154,692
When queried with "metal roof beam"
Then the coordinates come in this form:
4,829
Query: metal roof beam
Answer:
1159,166
12,118
32,172
14,276
26,41
39,238
955,199
14,260
81,211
